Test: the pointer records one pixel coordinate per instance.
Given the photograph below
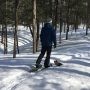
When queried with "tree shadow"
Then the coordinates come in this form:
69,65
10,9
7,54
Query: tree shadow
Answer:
71,71
22,63
78,62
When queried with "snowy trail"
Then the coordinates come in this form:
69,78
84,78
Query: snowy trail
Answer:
74,74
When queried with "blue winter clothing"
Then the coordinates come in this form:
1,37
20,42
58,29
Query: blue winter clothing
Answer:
48,35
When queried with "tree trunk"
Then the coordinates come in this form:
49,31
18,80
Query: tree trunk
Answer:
15,32
64,27
5,40
5,31
17,44
56,13
37,39
2,35
86,29
67,20
61,23
87,17
34,26
67,31
31,31
53,13
60,30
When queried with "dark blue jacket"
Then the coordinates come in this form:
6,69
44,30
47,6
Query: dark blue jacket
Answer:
48,35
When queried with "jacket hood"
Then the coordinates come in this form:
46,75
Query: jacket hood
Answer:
47,25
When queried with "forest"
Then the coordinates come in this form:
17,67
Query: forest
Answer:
33,13
21,23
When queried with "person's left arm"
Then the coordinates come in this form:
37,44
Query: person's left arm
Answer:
54,37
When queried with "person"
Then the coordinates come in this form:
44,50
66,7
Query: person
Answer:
48,38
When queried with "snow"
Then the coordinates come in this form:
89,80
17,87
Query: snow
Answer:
74,74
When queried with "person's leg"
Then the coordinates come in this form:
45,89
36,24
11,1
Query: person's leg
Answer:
47,60
43,50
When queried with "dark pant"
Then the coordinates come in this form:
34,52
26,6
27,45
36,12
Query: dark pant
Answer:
47,50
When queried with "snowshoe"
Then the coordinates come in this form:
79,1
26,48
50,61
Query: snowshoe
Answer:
35,68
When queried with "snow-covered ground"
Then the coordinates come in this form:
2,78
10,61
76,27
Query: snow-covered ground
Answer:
74,74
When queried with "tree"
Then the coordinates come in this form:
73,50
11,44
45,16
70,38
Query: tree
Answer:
5,31
15,32
34,26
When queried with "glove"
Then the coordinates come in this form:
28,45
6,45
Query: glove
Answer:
54,45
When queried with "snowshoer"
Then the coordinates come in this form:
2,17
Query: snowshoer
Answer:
48,38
